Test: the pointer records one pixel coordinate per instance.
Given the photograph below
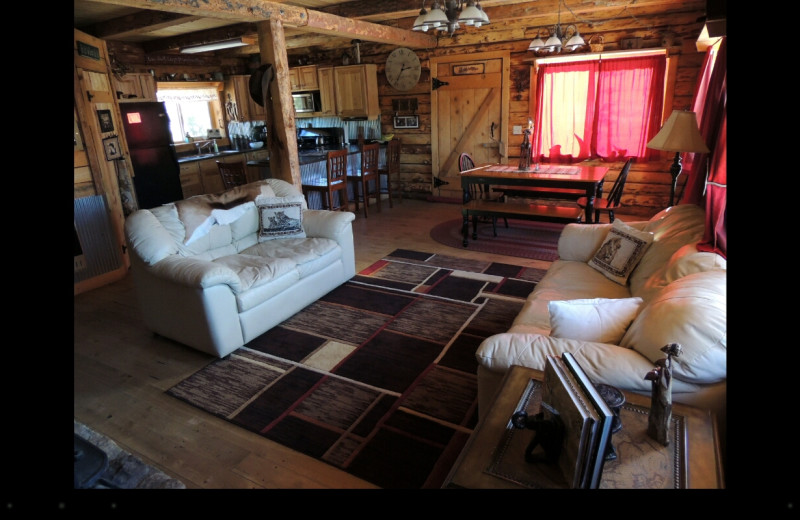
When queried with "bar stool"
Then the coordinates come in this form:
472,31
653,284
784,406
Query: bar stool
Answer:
335,181
366,174
392,168
233,174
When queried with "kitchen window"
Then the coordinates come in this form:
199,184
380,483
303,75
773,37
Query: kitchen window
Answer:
192,109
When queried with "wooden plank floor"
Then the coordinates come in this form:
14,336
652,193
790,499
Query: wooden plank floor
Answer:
121,371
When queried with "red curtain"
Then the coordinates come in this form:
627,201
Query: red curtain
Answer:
603,108
706,183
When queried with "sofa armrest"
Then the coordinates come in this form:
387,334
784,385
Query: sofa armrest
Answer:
148,238
194,272
604,363
322,223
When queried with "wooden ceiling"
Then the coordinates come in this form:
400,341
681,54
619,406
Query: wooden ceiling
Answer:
163,26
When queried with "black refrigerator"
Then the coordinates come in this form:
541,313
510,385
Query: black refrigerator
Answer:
155,165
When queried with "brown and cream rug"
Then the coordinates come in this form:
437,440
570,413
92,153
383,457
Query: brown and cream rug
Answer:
378,377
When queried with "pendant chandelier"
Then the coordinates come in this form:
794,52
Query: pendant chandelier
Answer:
447,15
555,43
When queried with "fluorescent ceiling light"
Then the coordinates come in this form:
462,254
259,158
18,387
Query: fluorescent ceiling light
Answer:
227,44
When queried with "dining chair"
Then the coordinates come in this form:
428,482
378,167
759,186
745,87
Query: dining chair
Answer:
612,200
480,192
391,169
368,172
335,181
233,174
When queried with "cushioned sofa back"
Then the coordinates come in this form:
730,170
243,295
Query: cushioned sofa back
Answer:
672,229
221,240
691,311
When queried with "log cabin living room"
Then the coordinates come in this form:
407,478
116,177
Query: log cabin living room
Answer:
342,383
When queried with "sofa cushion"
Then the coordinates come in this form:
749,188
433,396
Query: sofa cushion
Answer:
280,217
621,251
254,270
672,229
598,319
692,312
200,212
564,280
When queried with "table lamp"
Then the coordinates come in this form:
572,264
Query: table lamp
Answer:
679,134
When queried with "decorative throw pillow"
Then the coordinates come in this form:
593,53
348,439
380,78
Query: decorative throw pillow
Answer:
280,217
621,251
604,320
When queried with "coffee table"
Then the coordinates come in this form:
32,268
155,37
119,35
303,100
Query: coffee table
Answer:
492,458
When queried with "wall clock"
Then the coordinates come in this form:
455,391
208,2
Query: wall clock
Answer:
403,69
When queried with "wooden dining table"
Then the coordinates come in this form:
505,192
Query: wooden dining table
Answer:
571,176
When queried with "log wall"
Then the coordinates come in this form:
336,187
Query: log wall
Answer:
512,28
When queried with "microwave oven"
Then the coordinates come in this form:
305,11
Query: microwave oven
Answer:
304,102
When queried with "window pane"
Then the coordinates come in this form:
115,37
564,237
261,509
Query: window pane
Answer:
174,121
196,119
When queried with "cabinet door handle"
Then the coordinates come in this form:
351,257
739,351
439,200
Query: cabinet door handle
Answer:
89,96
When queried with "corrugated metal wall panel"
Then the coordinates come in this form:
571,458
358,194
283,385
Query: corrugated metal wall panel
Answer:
93,227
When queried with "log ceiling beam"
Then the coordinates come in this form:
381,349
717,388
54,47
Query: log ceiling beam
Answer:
290,16
139,23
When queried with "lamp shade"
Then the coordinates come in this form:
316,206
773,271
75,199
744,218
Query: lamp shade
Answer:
419,23
553,43
436,17
679,134
470,15
576,42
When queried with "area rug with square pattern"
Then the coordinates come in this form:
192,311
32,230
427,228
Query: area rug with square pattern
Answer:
378,377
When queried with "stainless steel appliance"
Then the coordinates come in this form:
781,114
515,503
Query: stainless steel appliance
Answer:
156,174
323,138
304,102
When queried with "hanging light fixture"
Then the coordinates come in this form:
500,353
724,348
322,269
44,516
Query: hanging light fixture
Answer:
448,15
555,43
419,23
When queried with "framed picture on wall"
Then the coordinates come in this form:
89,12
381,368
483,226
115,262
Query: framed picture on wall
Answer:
406,121
106,123
111,147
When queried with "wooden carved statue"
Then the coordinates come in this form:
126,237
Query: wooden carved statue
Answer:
525,150
660,417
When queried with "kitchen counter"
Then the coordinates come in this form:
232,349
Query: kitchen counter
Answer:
202,157
305,156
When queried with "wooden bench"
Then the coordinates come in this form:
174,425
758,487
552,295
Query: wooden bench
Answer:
540,212
538,192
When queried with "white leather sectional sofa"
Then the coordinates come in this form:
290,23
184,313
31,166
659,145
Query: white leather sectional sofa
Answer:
674,294
235,277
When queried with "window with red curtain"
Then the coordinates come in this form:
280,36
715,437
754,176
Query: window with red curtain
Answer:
606,108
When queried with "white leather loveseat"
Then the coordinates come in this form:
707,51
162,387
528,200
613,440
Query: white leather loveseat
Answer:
215,271
614,336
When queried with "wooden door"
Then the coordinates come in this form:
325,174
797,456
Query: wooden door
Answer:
469,113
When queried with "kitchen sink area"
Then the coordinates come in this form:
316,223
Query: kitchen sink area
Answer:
212,155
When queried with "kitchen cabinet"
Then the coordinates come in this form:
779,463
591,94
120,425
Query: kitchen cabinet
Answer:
191,182
238,89
356,91
304,78
209,175
326,92
135,86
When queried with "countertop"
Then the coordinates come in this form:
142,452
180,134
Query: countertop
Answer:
305,156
